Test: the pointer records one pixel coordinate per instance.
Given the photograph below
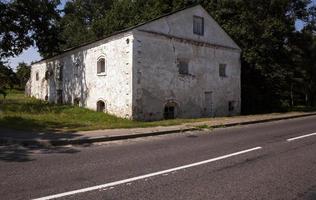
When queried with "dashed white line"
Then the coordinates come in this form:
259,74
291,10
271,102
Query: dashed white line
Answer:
98,187
300,137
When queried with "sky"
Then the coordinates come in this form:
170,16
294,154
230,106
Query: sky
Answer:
31,54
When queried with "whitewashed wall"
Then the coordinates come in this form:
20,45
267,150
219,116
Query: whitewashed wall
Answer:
157,48
142,72
82,81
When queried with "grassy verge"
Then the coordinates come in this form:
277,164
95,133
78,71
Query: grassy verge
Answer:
25,113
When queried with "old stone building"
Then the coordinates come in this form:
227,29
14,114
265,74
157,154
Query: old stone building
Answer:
179,65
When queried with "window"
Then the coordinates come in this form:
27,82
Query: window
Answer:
198,25
183,67
222,70
231,106
101,66
37,76
59,72
77,65
47,74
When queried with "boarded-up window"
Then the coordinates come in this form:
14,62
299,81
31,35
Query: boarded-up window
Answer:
222,70
101,66
198,25
183,67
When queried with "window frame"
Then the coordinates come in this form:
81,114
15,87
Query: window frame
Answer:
196,29
101,73
181,64
221,67
37,76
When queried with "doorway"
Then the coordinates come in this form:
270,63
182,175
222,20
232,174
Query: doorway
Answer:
208,102
100,106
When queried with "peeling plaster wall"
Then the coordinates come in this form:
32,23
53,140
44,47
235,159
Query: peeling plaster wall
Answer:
180,24
80,79
142,73
158,47
39,88
157,79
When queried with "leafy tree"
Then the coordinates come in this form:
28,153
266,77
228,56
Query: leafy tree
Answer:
23,72
28,22
7,76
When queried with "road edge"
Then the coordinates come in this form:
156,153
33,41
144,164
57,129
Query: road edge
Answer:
89,140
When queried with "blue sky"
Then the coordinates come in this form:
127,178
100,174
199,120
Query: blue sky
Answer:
32,54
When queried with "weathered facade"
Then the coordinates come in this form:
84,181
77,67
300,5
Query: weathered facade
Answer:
179,65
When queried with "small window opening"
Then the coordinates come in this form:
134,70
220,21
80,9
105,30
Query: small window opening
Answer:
37,76
222,70
77,65
59,96
77,102
198,25
170,111
47,75
101,66
59,74
100,106
231,106
183,67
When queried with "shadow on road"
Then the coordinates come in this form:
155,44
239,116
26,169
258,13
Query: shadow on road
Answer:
18,153
23,153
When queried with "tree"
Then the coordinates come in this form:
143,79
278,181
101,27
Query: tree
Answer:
24,23
23,72
7,76
262,29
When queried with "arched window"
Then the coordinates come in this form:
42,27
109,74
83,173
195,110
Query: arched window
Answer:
101,66
100,106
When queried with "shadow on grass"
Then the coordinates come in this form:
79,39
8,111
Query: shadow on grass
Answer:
43,129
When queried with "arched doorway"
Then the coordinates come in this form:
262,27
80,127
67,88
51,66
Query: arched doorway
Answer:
100,106
170,110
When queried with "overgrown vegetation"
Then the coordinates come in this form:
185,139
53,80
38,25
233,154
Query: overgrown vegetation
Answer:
25,113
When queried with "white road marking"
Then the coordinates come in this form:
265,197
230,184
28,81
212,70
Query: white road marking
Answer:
98,187
300,137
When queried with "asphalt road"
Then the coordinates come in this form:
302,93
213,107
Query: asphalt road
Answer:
246,162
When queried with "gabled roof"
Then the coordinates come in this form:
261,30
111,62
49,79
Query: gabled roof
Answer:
118,32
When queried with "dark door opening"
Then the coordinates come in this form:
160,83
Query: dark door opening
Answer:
169,112
100,106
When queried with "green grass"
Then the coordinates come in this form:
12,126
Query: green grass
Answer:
25,113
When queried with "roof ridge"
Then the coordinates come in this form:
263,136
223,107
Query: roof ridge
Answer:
118,32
